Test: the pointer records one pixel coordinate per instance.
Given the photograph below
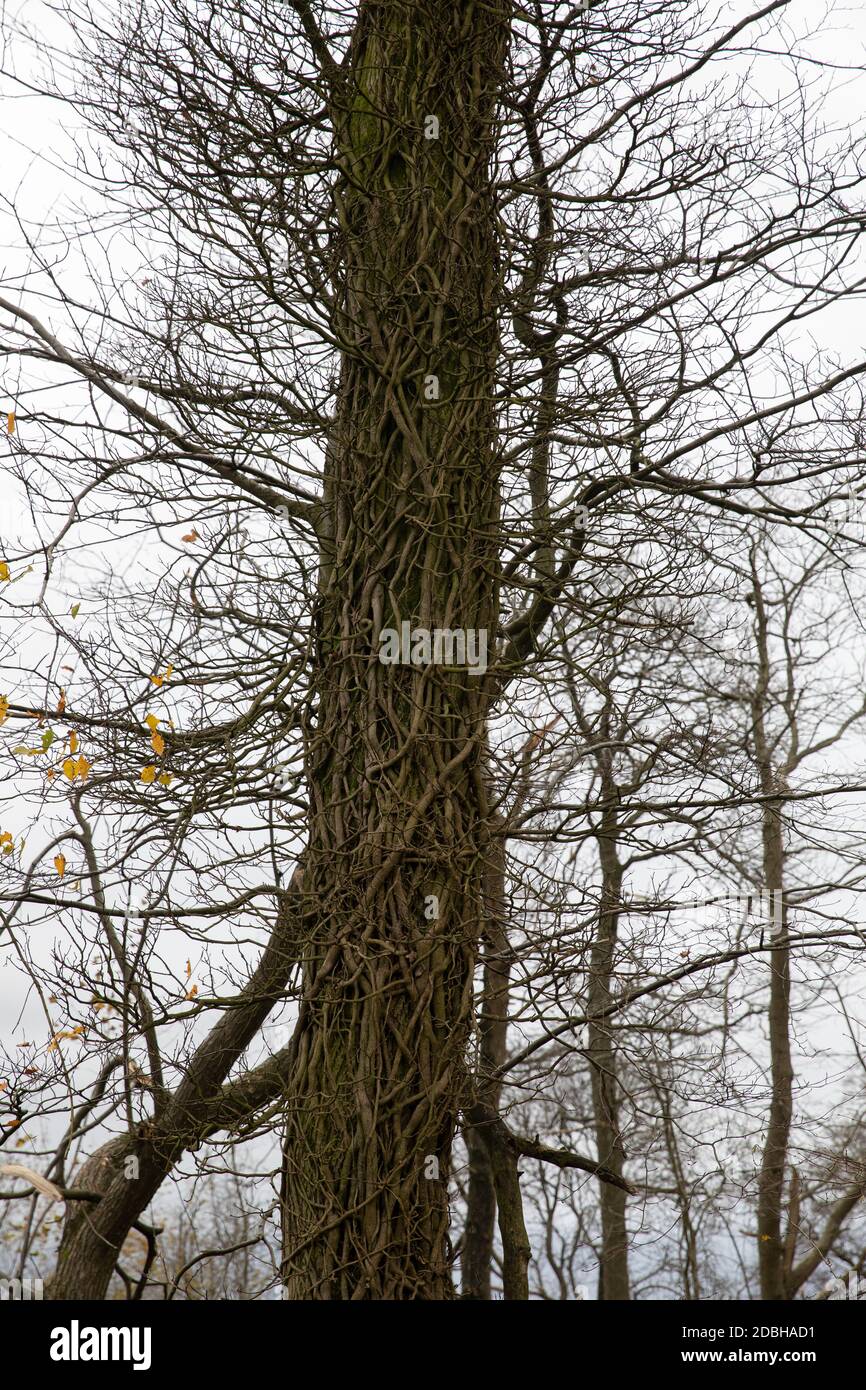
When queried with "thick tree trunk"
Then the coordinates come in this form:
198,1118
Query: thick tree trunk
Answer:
396,753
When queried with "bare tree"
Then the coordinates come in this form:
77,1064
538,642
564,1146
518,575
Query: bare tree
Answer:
415,339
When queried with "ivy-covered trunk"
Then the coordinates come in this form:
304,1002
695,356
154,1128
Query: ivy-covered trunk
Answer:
399,820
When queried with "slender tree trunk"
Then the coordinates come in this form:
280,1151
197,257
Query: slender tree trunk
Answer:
128,1171
771,1181
396,754
488,1168
771,1201
613,1282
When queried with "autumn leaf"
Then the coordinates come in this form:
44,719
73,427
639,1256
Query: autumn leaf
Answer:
192,992
4,570
60,864
69,768
188,969
61,703
56,1040
73,741
10,422
151,721
164,779
168,671
157,743
74,610
7,842
148,774
4,709
82,767
193,536
47,739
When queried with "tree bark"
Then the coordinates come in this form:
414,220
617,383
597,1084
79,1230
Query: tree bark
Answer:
771,1180
94,1233
486,1167
396,754
613,1275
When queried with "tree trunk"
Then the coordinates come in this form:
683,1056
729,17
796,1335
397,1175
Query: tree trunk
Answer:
613,1278
396,753
771,1245
771,1180
489,1169
129,1170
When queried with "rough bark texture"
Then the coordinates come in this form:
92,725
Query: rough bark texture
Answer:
396,753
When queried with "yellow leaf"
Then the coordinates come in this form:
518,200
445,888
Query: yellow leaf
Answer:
151,720
4,709
4,570
168,671
157,680
69,769
82,767
10,422
60,864
148,773
55,1041
192,992
73,742
158,743
164,779
61,703
188,970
